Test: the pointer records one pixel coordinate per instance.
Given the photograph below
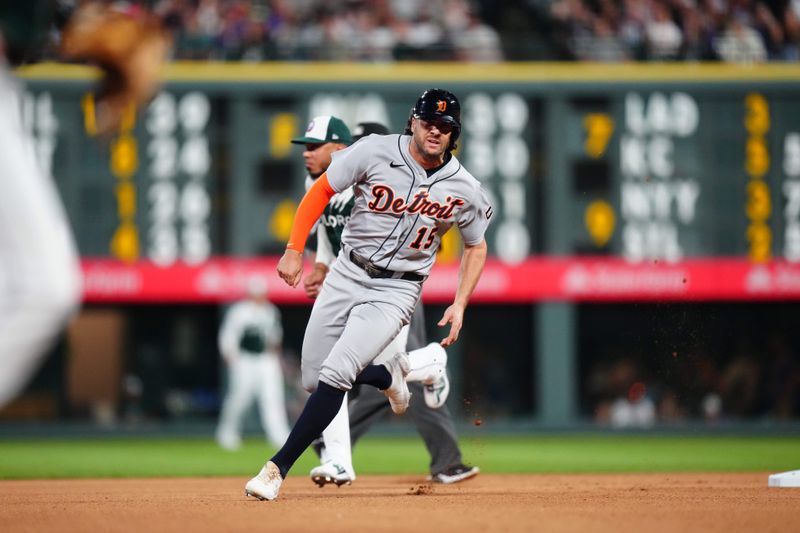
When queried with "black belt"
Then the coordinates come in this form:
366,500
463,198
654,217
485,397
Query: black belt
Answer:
378,272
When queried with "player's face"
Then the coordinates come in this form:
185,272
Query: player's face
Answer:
431,138
318,157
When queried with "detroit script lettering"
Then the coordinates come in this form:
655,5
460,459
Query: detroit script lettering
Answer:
384,200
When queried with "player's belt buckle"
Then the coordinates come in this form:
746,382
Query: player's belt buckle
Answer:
371,270
377,272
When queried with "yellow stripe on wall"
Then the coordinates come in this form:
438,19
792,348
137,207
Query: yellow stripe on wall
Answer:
442,72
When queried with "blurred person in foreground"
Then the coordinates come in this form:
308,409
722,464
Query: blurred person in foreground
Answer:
250,341
40,280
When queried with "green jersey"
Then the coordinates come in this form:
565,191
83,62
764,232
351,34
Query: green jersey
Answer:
335,216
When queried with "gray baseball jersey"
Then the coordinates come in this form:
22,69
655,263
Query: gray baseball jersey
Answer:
401,213
399,216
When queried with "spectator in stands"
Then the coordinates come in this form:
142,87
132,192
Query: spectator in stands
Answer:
770,29
477,42
604,45
626,401
576,19
782,379
664,38
696,30
740,43
791,16
739,385
632,20
420,38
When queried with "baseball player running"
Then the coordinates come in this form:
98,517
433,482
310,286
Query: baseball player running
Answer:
324,136
409,190
431,416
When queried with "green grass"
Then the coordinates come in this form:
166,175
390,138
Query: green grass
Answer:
119,457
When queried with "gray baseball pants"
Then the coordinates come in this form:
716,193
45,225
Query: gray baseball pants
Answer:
353,319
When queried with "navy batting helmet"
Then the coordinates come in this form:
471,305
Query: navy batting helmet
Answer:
438,105
368,128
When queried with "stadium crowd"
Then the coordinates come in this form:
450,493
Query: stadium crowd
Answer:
326,30
481,31
668,30
749,383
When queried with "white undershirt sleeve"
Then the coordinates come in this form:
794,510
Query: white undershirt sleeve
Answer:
324,248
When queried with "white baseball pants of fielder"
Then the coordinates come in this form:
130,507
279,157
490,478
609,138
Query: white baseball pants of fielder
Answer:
40,278
254,377
336,436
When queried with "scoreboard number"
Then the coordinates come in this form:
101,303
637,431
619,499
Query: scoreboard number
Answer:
758,204
180,206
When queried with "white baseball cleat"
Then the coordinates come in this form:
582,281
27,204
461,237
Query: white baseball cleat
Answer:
428,364
436,393
266,484
398,393
229,441
332,473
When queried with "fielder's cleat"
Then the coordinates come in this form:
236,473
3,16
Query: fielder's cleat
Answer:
333,473
436,393
398,393
456,473
429,367
266,484
229,441
428,364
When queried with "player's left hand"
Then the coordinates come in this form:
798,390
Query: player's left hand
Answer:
454,315
290,267
313,282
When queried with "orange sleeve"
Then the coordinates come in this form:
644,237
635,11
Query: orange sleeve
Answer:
308,212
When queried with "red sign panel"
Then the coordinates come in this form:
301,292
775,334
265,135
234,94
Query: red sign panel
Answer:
536,279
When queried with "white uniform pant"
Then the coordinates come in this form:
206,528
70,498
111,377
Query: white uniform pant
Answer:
40,279
255,377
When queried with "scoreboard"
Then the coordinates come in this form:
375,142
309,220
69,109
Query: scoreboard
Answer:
609,182
701,173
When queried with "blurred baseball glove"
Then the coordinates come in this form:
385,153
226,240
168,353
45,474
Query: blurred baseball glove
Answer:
130,51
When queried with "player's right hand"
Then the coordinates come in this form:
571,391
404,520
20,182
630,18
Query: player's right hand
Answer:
290,267
453,315
313,282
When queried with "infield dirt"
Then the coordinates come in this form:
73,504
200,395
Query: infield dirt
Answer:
574,503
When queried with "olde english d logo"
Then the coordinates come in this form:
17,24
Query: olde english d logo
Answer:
384,200
441,105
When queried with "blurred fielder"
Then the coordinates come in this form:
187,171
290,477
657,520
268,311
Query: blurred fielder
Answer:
250,341
40,280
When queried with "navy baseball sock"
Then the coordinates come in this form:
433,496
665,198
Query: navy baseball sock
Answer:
321,407
375,375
